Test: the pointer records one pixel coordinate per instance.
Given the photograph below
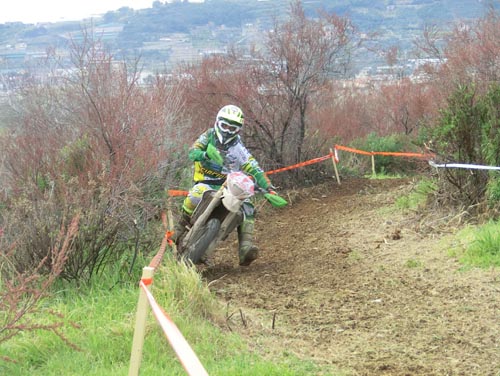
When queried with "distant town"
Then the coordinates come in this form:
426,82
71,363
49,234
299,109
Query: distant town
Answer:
162,41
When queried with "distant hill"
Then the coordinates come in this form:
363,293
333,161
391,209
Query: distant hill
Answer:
171,32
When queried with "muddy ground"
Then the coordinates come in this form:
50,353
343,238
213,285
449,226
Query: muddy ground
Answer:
346,280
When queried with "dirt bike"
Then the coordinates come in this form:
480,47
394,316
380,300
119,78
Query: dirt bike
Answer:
217,215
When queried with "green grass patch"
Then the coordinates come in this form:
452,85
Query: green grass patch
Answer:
478,246
484,250
418,195
413,264
384,175
100,321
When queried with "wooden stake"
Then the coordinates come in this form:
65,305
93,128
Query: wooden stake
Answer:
140,324
171,227
335,166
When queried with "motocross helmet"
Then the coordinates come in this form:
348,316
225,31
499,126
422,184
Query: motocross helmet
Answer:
228,123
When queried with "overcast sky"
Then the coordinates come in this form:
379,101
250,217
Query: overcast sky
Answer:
33,11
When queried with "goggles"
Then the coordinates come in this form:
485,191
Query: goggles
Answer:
229,127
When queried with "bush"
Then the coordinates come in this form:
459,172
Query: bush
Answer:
21,292
386,164
493,190
93,145
468,132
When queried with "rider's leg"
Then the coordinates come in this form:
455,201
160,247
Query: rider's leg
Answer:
247,251
194,197
181,226
188,206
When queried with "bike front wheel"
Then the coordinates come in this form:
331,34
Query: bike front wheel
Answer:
200,241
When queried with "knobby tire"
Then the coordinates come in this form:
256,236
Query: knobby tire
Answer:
201,240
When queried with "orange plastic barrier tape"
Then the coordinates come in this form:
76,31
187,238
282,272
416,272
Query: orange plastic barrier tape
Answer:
352,150
155,262
302,164
169,237
175,193
411,155
386,153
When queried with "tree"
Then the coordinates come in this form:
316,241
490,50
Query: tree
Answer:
469,53
275,85
406,105
301,55
473,50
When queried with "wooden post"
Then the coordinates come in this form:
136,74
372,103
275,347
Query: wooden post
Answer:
335,166
374,174
170,225
140,323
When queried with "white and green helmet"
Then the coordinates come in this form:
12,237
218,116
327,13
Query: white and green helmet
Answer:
228,123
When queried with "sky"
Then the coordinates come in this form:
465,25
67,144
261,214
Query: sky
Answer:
33,11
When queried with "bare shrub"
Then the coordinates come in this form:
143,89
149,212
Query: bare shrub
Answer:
91,141
469,53
22,291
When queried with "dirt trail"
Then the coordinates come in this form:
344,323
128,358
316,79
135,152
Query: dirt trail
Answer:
346,281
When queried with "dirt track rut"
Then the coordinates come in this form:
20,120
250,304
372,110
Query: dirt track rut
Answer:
350,283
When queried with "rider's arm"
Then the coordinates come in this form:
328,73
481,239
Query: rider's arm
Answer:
198,153
252,168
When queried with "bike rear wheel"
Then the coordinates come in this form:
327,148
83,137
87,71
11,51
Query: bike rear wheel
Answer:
201,240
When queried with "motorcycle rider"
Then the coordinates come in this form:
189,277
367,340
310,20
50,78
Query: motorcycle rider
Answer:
215,153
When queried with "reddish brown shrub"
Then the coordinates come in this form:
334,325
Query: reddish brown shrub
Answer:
93,142
22,292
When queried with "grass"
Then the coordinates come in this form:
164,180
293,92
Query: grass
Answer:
417,197
484,250
474,246
412,264
478,246
383,175
100,322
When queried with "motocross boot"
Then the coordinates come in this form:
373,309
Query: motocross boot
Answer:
247,251
181,226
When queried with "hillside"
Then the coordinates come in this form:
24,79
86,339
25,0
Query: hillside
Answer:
346,280
172,32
